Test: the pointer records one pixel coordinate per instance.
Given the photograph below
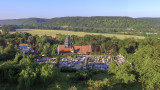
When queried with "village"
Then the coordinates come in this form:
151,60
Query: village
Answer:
79,62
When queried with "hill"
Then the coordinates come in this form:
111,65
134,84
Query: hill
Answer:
88,24
27,21
153,20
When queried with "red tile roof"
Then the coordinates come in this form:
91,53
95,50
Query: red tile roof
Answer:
77,49
23,44
62,49
83,49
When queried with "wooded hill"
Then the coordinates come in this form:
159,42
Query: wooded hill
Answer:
153,20
98,22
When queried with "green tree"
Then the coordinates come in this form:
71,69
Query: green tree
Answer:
122,72
47,72
2,42
123,51
1,49
27,78
7,28
47,49
18,57
54,50
57,61
31,40
147,62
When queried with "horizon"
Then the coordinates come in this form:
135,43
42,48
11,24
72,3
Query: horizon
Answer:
75,16
48,9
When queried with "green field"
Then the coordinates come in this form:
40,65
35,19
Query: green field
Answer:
52,33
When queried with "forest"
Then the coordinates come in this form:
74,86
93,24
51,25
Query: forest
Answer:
98,24
20,71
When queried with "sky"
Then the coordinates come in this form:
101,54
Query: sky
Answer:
15,9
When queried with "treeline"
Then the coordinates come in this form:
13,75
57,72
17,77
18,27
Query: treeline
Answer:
89,24
153,20
48,45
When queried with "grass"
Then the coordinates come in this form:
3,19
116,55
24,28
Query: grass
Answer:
53,33
64,83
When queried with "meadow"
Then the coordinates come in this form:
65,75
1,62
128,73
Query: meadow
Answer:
53,33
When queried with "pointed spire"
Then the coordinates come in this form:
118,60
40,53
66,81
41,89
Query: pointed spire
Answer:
67,42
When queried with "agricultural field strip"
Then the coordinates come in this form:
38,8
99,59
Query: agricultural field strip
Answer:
54,32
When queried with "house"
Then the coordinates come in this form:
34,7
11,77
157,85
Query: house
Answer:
68,48
24,48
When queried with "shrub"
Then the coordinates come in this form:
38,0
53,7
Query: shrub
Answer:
68,69
94,71
72,88
99,85
47,72
81,76
27,77
9,72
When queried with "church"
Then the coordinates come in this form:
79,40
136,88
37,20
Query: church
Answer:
67,48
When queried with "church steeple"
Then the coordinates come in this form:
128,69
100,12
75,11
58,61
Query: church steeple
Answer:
67,42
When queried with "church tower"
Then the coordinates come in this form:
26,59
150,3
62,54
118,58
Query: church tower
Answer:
67,42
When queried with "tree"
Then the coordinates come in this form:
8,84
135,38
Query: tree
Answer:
9,52
27,77
26,60
7,28
31,40
122,72
72,88
2,42
54,50
147,62
47,72
47,49
9,72
122,51
1,49
57,61
18,57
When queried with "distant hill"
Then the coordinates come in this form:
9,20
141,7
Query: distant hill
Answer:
153,20
27,21
100,22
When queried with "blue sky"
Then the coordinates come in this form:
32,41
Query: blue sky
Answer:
13,9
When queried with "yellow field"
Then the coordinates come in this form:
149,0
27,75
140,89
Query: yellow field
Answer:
54,32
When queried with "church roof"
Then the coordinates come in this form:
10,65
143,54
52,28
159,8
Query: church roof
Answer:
82,49
76,49
63,49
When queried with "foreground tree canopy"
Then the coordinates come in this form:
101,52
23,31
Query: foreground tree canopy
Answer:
141,69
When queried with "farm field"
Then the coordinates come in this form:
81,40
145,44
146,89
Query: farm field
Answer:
52,33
